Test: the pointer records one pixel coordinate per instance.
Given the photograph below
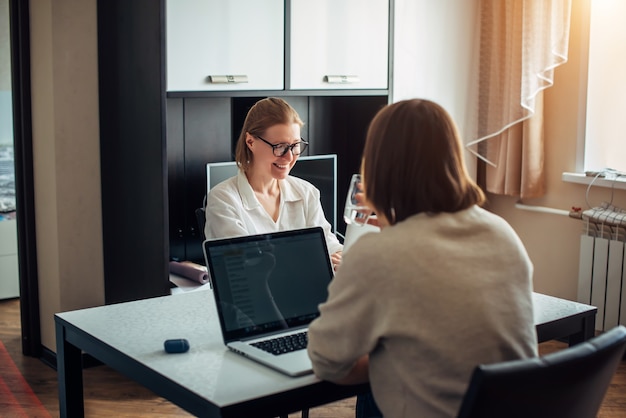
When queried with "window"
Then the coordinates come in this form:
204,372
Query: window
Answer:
605,133
7,173
602,142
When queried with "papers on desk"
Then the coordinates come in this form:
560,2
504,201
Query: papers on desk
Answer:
183,285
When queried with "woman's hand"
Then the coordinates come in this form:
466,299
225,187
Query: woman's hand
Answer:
336,259
359,372
372,219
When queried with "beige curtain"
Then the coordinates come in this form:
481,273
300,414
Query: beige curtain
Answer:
521,42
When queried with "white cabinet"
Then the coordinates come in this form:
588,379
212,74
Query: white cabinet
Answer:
225,45
217,45
9,275
339,44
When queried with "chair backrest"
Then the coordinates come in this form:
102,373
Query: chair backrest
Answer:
568,383
201,219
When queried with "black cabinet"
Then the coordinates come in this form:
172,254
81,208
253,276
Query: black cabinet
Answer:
199,131
131,62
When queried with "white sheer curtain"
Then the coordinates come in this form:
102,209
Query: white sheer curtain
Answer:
521,42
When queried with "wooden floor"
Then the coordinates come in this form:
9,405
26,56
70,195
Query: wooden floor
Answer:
107,393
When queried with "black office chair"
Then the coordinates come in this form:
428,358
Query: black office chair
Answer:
568,383
201,217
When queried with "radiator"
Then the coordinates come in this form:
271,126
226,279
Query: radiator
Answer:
601,272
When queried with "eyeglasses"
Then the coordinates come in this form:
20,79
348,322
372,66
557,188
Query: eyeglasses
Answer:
280,150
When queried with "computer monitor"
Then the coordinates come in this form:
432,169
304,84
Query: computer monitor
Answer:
319,170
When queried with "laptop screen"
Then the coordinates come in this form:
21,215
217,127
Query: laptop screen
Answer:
268,282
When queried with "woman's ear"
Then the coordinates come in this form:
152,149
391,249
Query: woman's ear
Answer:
249,140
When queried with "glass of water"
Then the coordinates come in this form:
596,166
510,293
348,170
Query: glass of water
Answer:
355,212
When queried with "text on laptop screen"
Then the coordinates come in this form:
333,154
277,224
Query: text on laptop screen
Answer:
271,283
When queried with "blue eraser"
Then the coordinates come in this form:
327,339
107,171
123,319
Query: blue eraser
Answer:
178,345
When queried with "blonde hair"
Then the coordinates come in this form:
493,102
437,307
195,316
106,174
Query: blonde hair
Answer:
261,116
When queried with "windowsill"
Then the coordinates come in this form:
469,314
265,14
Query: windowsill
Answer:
581,178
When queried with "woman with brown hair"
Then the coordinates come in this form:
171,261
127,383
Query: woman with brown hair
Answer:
444,286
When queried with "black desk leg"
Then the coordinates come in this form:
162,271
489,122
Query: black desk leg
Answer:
70,376
587,332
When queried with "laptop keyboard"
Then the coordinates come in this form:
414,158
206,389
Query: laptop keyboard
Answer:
282,345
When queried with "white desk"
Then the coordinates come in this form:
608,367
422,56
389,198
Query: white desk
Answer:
209,380
557,318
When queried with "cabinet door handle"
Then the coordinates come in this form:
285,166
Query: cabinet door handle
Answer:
341,79
227,79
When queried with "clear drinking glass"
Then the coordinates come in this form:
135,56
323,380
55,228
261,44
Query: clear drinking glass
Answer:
354,211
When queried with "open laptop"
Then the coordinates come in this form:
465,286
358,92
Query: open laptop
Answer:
268,287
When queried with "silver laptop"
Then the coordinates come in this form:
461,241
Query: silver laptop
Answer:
267,291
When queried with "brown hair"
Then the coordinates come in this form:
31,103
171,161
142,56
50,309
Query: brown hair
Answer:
413,162
262,115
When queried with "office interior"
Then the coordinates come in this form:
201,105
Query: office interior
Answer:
99,227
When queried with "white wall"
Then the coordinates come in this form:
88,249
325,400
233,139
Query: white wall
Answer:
435,56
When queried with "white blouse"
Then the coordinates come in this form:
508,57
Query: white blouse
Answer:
233,210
